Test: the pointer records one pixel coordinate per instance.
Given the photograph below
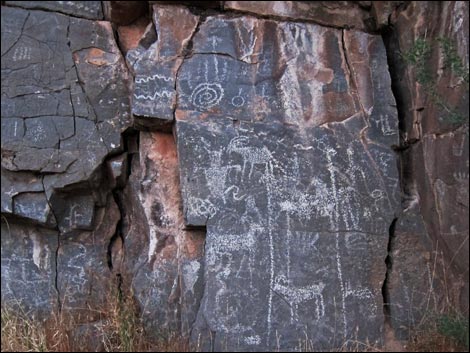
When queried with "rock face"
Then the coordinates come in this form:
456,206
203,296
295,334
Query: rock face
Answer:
65,103
29,268
342,14
156,66
244,174
163,261
87,9
275,145
435,107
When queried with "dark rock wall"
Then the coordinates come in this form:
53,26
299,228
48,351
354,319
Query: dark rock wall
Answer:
254,175
434,132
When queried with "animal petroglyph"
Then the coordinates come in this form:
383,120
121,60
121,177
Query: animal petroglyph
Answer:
207,95
298,295
251,155
363,294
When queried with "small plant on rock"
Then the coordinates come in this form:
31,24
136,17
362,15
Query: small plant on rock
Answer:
419,56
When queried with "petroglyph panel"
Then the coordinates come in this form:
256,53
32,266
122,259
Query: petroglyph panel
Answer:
87,9
260,70
291,171
157,63
29,268
65,102
285,214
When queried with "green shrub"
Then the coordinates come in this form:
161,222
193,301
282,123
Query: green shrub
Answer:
419,55
454,327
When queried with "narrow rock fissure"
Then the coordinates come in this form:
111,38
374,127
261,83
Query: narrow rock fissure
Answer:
56,276
406,145
56,279
389,265
403,155
187,52
117,192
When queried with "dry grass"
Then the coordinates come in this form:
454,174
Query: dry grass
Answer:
118,330
20,334
123,332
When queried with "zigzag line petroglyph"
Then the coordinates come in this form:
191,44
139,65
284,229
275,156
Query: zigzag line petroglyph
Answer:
152,78
166,94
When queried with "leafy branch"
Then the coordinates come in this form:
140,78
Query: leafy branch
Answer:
419,56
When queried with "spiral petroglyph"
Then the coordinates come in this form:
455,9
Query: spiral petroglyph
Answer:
207,95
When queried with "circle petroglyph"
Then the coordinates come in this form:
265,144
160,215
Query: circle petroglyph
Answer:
238,101
207,95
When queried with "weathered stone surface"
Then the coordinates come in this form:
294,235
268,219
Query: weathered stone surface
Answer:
87,9
301,86
414,287
344,14
84,280
129,36
283,121
13,184
275,178
65,101
439,157
156,66
29,268
34,205
74,211
163,266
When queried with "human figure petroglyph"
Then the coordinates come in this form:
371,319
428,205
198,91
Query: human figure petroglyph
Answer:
387,130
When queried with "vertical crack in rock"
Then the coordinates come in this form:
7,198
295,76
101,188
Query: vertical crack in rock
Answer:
56,277
118,231
79,81
405,147
389,265
352,74
403,152
186,53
